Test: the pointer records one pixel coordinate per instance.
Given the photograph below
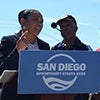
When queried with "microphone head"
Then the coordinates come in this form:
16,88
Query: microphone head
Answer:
54,25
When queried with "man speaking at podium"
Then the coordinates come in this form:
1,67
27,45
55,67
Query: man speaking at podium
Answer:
31,22
68,29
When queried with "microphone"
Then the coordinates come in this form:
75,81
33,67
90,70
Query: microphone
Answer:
54,25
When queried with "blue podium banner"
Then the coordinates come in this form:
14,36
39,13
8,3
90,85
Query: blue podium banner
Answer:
58,72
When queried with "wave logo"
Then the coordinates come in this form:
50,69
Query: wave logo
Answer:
57,84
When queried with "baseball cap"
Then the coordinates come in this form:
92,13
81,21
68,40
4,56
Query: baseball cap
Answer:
66,18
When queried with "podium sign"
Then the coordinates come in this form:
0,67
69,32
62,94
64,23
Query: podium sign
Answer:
58,72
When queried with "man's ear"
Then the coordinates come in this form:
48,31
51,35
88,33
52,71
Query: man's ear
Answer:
22,21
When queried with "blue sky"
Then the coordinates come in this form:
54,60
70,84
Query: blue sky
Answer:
86,13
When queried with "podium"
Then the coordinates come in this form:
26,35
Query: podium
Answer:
59,72
60,75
